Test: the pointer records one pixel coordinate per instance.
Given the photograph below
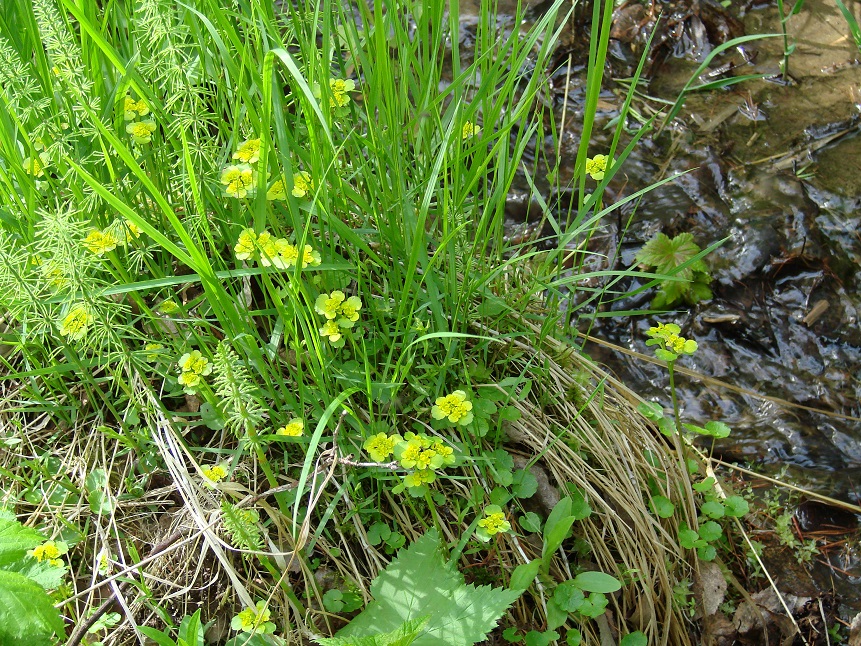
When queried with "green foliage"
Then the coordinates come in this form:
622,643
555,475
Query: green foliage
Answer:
420,584
408,632
27,616
242,526
191,632
678,258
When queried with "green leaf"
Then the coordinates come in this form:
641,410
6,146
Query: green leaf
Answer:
568,596
524,574
524,484
736,506
26,610
710,531
667,426
665,355
580,508
50,577
667,254
718,429
157,636
510,635
594,606
574,637
597,582
662,506
712,509
531,522
706,485
535,638
556,616
634,639
707,552
15,540
650,410
688,538
421,583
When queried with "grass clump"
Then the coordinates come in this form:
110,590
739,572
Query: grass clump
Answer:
261,318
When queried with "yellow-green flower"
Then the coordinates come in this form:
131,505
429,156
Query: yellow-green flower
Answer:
35,166
493,523
470,129
596,166
215,472
409,453
194,366
152,351
302,184
245,244
254,620
420,478
248,151
50,551
277,191
237,180
124,231
331,331
667,336
444,453
77,322
456,407
294,428
100,242
350,308
381,446
329,305
141,131
268,247
288,254
339,89
310,256
168,306
133,109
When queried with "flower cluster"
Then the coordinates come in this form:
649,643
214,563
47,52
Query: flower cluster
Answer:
50,551
238,181
119,233
215,472
248,151
422,454
193,367
254,620
35,166
596,166
340,89
666,335
341,314
454,407
493,523
77,322
303,183
273,252
294,428
133,109
470,130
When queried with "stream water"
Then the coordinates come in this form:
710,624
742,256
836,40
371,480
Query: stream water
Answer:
775,168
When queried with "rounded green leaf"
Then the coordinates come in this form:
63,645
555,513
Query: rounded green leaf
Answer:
736,506
662,506
712,509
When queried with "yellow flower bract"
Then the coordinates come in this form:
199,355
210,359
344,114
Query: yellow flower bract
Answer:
248,151
294,428
77,322
456,407
141,131
238,180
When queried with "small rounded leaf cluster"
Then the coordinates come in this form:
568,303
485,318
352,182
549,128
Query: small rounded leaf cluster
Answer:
193,368
454,407
492,523
666,335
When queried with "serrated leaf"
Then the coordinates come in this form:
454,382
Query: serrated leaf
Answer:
667,254
26,610
15,540
688,538
403,636
419,583
50,577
